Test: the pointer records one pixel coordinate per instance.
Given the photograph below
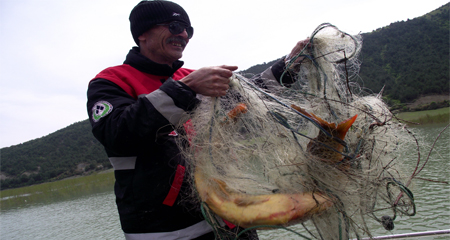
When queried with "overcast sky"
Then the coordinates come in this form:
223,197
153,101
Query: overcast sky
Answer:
50,49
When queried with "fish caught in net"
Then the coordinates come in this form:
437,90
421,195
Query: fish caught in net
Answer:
319,152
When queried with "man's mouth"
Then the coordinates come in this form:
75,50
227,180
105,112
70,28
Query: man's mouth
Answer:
177,42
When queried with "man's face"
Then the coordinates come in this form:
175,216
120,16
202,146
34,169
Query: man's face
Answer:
161,46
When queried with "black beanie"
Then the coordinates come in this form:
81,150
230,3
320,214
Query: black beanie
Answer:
149,13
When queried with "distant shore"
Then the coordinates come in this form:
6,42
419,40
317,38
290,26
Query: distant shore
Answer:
441,115
436,116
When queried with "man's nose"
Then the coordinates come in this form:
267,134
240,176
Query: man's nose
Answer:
183,34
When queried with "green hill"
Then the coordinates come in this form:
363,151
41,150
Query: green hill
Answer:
67,152
410,58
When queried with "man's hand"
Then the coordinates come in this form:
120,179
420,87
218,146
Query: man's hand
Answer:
210,81
296,50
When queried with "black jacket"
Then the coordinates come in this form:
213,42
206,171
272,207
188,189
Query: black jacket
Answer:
136,131
139,138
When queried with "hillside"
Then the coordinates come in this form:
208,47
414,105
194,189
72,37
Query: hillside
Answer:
410,58
67,152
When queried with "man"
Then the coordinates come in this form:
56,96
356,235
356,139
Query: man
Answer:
133,109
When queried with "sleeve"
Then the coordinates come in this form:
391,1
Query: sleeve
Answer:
273,76
122,123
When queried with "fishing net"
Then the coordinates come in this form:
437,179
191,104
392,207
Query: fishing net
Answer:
284,142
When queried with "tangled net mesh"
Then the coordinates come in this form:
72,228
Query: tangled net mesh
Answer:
256,143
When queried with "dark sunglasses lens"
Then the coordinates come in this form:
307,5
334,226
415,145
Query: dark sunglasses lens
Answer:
190,31
177,28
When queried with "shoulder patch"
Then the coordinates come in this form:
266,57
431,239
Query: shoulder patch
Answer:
101,109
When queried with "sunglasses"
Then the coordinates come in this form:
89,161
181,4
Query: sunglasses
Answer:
178,27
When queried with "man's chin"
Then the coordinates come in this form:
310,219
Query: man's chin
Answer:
174,57
177,54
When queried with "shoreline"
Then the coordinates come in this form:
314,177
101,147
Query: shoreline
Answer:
413,119
425,117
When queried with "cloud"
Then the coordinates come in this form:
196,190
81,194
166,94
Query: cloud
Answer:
37,114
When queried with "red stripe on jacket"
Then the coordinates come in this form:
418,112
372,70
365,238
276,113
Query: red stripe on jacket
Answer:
135,82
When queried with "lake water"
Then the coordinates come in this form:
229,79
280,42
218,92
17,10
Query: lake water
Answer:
94,215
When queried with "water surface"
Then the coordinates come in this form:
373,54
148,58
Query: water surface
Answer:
72,214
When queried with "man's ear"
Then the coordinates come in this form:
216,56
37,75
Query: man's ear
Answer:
142,37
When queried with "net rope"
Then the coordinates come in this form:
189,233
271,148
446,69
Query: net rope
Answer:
254,141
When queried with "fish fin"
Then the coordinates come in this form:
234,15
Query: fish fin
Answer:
234,113
344,126
238,110
223,188
341,129
314,117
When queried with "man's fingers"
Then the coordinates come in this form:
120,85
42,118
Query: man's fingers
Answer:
299,46
226,71
210,81
231,68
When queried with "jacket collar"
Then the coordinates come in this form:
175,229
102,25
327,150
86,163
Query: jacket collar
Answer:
142,63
